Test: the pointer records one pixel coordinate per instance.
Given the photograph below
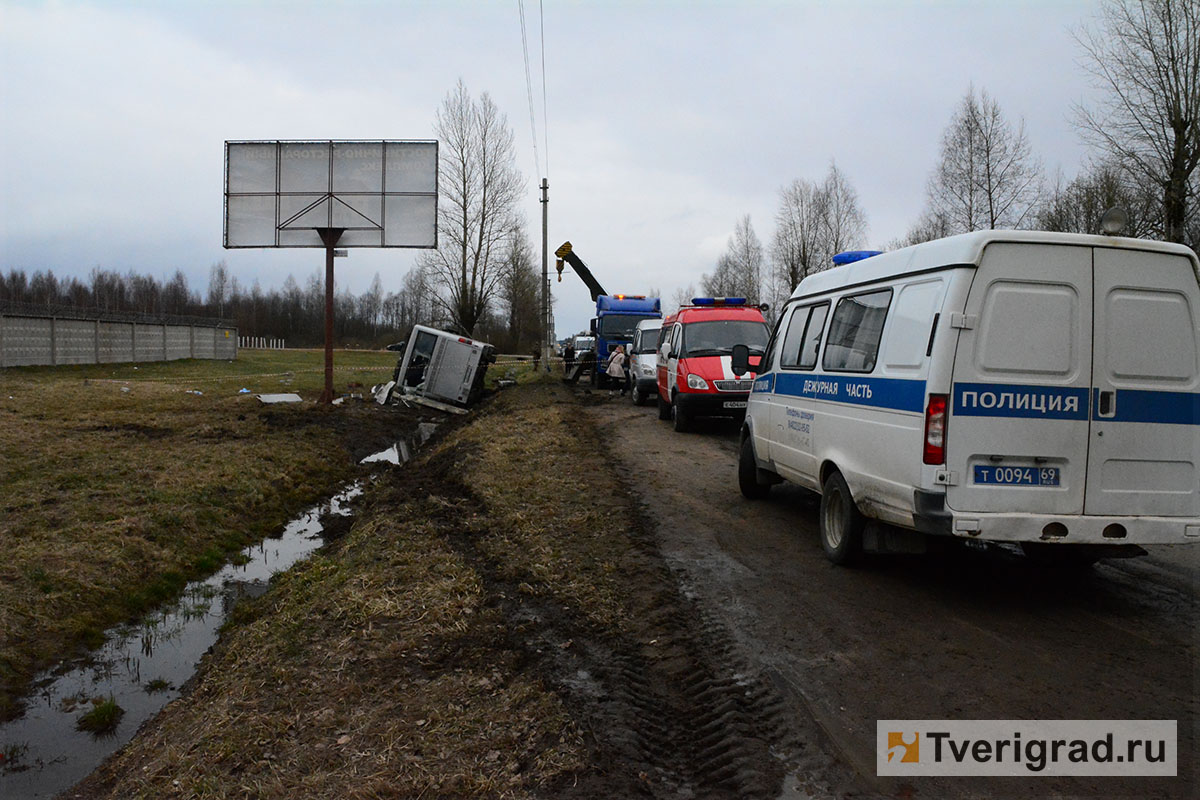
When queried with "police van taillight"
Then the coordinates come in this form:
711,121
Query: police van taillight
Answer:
935,430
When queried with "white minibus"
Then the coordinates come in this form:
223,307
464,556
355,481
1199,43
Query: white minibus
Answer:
998,386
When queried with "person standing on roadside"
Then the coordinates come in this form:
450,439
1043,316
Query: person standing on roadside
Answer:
616,368
568,358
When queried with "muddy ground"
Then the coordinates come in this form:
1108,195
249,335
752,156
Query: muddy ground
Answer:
962,635
498,622
584,606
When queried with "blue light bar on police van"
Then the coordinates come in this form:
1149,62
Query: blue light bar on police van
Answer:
850,256
718,301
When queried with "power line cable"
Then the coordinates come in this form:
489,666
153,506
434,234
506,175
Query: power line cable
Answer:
545,116
537,161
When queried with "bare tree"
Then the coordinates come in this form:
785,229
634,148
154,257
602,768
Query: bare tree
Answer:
928,227
797,249
1146,56
814,223
521,296
844,222
681,297
721,282
218,287
480,188
987,176
739,271
370,304
1078,206
44,289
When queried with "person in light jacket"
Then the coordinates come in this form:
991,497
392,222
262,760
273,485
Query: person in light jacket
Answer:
616,367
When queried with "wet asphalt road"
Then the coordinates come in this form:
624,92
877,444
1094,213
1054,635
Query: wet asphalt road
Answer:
964,635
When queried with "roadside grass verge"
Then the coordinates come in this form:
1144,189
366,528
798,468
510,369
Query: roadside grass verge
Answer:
119,486
394,663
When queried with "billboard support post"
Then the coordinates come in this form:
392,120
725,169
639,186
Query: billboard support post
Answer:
330,237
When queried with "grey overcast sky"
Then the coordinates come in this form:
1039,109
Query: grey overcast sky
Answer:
667,121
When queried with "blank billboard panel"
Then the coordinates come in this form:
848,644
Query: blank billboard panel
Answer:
379,193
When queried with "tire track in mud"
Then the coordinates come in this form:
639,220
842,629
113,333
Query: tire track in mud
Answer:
667,706
704,724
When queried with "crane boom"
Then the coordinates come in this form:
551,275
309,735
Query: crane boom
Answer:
565,253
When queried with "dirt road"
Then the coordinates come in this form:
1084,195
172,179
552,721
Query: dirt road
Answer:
958,636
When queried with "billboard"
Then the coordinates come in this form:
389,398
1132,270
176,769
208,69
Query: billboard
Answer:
380,193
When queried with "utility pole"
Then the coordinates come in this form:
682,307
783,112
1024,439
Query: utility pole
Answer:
545,276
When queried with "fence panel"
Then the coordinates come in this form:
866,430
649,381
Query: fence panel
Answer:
179,342
26,341
74,341
32,340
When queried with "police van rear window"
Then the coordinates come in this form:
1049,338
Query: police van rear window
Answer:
853,341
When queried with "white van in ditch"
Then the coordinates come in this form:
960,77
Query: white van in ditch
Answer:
1005,386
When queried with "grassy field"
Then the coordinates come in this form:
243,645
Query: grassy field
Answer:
398,662
120,482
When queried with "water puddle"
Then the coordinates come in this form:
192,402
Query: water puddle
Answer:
402,451
142,666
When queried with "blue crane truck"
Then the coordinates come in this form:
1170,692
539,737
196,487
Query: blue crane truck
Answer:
617,316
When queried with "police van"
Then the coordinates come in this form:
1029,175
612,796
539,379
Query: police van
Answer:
998,386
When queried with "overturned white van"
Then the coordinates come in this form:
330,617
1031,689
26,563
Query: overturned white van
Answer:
1004,386
442,366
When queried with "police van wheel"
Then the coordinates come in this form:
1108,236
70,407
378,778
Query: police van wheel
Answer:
841,522
635,394
664,408
748,473
680,419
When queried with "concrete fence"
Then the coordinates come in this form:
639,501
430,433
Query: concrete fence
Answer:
27,340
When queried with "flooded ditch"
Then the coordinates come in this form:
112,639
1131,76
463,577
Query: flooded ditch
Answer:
144,665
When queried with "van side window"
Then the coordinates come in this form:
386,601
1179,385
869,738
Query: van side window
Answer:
854,332
768,358
803,338
812,336
664,333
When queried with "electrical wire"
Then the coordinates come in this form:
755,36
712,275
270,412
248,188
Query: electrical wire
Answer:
545,116
537,161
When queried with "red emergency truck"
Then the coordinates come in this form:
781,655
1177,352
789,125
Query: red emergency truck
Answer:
695,378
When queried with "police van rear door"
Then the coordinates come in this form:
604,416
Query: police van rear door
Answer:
1017,434
1144,443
